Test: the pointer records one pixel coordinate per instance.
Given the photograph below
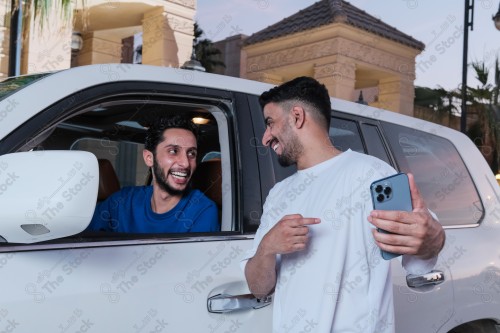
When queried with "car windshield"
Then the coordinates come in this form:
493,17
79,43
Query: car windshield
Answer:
13,84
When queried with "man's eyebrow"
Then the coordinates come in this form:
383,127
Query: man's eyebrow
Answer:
173,145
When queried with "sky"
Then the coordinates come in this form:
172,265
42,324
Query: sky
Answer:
438,24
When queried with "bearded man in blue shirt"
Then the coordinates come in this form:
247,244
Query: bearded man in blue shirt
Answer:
169,205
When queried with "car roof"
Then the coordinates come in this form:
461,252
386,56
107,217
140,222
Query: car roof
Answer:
66,82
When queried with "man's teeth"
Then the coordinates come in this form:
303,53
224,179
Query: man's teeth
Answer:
275,146
179,174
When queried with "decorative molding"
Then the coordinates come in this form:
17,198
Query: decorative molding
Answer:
292,55
366,53
185,3
339,71
376,57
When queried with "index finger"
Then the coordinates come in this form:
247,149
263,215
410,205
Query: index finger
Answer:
296,220
378,217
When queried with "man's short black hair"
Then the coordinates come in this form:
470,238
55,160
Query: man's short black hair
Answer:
302,89
154,134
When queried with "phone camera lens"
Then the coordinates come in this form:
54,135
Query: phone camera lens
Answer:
380,197
379,188
387,190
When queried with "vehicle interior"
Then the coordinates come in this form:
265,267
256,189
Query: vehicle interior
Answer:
115,131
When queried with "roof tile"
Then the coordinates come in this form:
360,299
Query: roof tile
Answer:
325,12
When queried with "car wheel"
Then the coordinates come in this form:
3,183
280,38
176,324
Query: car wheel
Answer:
485,326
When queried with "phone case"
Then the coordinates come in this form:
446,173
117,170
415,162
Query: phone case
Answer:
391,193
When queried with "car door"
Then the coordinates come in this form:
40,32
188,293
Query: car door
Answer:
136,283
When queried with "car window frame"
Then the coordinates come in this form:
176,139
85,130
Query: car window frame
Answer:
238,114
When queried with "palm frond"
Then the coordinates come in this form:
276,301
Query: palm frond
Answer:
481,72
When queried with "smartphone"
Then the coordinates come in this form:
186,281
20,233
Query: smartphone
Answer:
391,193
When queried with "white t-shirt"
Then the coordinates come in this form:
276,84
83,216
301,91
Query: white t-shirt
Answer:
340,283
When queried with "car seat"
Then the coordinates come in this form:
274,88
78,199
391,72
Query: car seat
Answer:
208,179
108,180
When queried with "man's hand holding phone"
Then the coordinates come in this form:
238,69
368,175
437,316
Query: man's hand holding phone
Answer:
413,232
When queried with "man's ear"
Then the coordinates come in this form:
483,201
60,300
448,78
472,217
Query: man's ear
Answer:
148,157
298,114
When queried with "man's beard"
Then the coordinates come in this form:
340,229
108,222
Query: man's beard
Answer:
289,155
161,180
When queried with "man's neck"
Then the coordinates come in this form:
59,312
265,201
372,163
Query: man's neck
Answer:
317,153
162,202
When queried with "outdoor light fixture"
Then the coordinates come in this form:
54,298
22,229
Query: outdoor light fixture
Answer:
193,64
76,41
361,100
496,18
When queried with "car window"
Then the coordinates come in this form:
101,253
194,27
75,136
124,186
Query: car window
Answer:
345,134
115,131
124,156
374,143
440,173
13,84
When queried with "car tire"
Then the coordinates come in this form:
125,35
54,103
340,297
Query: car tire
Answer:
485,326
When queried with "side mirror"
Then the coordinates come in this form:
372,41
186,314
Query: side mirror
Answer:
46,195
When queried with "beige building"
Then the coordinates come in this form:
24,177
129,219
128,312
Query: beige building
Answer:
110,30
340,45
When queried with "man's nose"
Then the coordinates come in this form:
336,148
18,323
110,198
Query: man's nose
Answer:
183,160
266,138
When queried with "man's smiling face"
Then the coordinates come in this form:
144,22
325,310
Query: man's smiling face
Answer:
174,160
279,134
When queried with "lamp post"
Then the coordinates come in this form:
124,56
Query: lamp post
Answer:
15,43
468,22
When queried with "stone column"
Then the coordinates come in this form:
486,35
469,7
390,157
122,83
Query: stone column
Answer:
396,94
168,35
338,77
99,48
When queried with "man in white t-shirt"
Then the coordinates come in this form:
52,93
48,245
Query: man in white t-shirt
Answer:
314,247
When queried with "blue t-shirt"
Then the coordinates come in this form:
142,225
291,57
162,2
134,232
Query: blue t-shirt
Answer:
129,210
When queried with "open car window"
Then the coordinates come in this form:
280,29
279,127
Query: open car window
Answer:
114,131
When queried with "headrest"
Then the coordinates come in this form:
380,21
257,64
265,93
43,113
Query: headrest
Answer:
108,181
208,179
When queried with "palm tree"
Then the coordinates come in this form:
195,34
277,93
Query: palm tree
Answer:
206,53
440,100
20,13
485,132
496,88
482,94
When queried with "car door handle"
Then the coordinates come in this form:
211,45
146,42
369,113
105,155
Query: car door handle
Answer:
431,278
223,303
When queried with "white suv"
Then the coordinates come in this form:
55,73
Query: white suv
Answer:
69,139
